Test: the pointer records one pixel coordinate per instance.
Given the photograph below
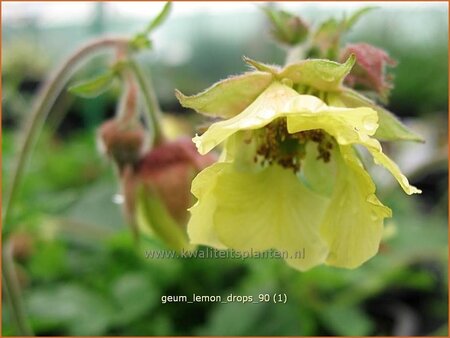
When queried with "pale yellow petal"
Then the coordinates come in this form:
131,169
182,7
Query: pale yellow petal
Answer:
346,125
353,224
380,158
318,175
269,105
200,227
271,209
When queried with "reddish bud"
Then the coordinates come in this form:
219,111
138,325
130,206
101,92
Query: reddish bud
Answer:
167,171
123,142
370,68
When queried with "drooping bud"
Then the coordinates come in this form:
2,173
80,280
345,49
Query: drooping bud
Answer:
123,138
168,170
160,184
369,71
123,143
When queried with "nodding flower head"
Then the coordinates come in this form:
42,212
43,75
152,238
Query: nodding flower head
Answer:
289,177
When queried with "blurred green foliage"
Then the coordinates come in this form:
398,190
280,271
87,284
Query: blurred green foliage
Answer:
86,276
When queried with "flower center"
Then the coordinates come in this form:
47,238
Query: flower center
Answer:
276,145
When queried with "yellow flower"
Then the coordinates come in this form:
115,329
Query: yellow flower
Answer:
289,178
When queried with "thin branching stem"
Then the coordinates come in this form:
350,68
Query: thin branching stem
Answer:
41,108
44,102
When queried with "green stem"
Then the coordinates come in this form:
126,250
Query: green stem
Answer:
45,100
151,101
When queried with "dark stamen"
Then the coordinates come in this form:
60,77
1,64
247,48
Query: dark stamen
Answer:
276,145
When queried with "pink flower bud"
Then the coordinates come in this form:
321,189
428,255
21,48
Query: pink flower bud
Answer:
122,142
167,171
369,71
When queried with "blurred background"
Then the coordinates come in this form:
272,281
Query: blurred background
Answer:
80,271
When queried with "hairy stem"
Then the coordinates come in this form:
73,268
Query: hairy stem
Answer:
45,100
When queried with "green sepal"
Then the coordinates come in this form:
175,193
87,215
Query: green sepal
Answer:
94,86
390,128
323,75
262,67
228,97
152,215
286,27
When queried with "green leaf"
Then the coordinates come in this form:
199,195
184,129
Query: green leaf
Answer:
223,315
351,21
322,75
152,215
390,128
286,27
142,40
156,22
79,310
93,87
229,97
135,295
49,262
346,320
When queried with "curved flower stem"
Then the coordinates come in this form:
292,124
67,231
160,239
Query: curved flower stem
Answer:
11,290
45,100
151,102
43,104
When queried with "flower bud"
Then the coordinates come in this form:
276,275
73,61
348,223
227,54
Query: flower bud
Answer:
122,142
161,181
287,28
123,139
168,170
369,71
